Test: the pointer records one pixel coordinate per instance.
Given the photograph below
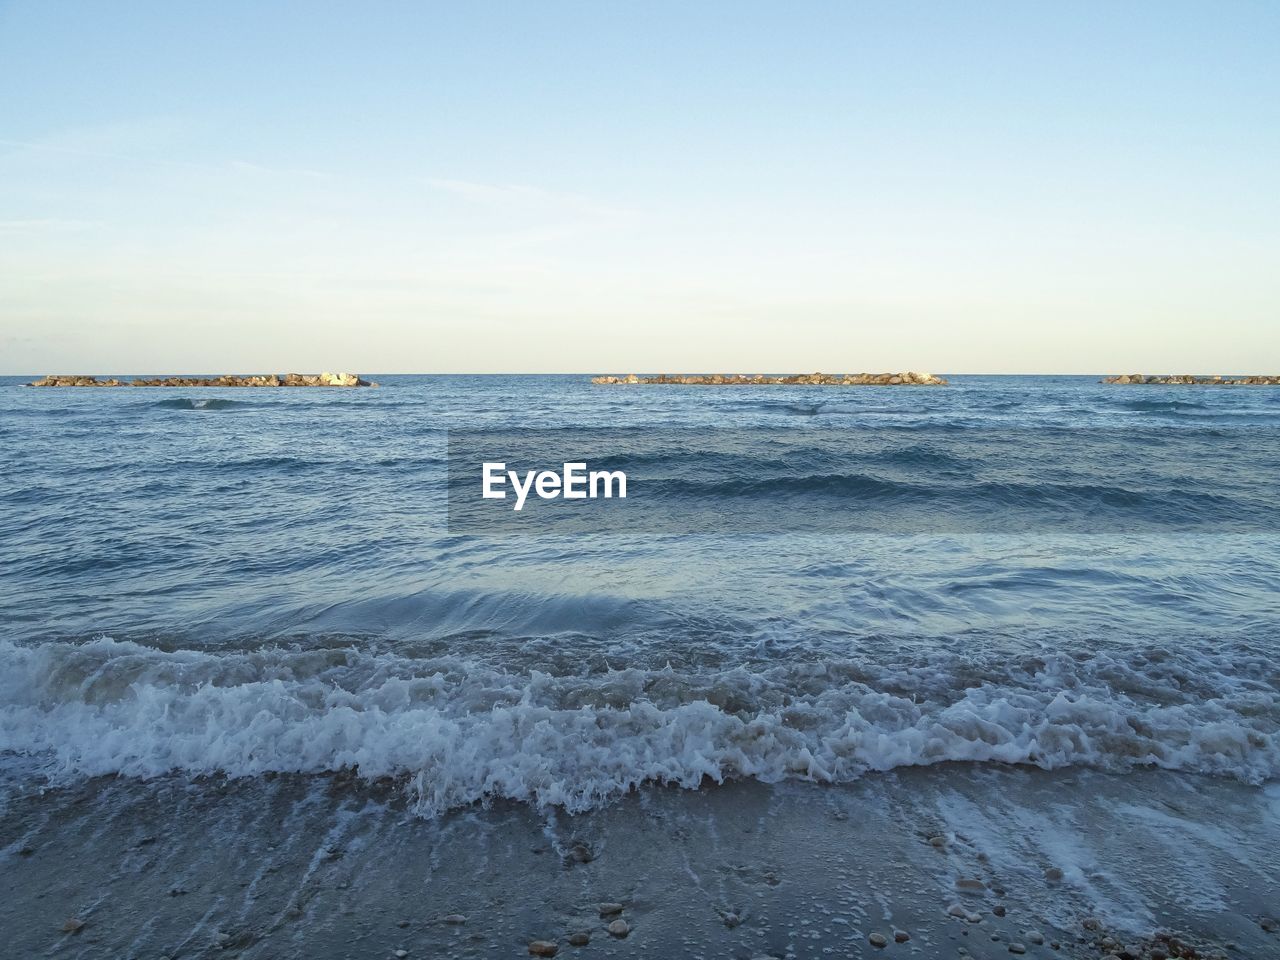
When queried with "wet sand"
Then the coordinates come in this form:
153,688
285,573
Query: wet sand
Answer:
324,867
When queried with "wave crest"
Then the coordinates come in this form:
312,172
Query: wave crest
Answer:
457,731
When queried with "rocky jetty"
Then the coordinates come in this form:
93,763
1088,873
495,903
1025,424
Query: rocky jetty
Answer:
264,380
910,378
1188,380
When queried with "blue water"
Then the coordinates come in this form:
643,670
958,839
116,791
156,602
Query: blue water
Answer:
248,581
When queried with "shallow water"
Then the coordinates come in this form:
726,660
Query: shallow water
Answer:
250,582
318,867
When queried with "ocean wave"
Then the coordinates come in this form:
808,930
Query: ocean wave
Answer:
800,408
1150,405
456,731
1151,505
288,404
208,403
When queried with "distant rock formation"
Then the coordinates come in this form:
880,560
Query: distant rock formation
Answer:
265,380
910,378
1188,380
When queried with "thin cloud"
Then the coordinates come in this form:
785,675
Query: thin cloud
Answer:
515,196
245,166
47,225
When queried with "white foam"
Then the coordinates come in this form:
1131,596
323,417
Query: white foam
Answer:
460,731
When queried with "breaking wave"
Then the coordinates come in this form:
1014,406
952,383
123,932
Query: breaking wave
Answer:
457,731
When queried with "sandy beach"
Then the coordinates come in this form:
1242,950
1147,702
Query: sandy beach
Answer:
1072,864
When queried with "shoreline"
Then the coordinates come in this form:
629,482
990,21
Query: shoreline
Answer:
983,861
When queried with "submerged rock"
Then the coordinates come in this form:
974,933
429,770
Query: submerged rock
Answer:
543,948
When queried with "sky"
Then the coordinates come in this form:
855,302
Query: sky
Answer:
653,186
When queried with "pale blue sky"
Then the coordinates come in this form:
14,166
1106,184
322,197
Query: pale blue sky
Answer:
599,186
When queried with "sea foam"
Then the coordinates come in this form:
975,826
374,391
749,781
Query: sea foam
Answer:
456,731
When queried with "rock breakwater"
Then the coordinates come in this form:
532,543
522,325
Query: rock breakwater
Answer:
1189,380
262,380
909,378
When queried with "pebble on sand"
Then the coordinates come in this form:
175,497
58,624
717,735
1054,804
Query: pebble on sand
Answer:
956,910
401,954
455,919
1268,924
581,853
619,928
1017,948
543,948
1053,875
938,841
730,919
609,909
970,885
580,939
73,925
877,940
901,936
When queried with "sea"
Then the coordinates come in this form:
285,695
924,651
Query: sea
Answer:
808,593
